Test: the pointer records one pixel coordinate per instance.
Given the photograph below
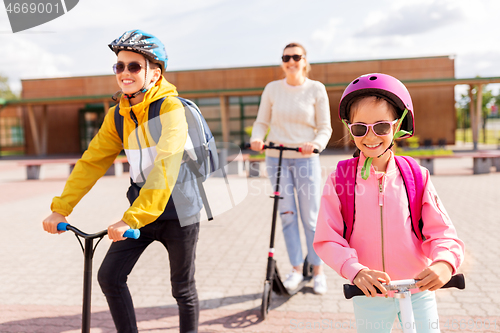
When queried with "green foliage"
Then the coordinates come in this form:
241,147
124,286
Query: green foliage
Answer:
412,142
463,114
423,152
412,149
491,136
5,91
248,131
463,106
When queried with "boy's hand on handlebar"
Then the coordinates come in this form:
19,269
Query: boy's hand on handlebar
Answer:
257,145
368,279
50,223
435,276
116,231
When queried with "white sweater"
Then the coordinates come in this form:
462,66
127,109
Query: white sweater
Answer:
295,115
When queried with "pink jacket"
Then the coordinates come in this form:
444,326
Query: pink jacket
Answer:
382,237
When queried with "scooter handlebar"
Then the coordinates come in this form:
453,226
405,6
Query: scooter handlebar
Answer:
456,281
130,233
62,226
272,146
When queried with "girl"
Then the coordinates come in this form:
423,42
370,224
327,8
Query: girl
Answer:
382,244
296,110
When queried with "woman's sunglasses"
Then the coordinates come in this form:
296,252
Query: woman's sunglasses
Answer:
295,57
133,67
380,128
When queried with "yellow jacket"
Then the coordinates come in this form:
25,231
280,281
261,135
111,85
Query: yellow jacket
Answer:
160,161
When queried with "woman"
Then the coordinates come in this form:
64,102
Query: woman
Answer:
296,110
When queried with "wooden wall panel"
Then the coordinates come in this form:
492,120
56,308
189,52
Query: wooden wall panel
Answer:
435,116
319,73
63,129
100,85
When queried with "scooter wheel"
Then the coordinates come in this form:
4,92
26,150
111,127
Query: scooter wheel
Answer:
266,299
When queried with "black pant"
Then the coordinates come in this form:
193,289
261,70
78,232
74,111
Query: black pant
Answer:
180,243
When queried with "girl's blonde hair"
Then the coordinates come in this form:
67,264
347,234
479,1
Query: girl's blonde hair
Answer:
307,69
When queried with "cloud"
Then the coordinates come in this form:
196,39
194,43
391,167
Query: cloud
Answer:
411,19
472,64
22,58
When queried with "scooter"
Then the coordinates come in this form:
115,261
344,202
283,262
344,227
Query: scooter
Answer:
402,291
273,280
88,253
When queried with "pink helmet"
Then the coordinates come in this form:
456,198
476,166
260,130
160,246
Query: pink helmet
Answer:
381,85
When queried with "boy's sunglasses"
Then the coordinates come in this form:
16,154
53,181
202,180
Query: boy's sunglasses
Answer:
380,128
295,57
133,67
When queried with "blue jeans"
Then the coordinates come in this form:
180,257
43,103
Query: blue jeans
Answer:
377,314
300,176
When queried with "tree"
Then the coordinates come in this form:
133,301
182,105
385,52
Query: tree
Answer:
463,114
5,91
463,108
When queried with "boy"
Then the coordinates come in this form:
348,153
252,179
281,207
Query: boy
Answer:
154,169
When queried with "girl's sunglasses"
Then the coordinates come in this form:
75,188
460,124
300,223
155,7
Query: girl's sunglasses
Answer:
133,67
295,57
380,128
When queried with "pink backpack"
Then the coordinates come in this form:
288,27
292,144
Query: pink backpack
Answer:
345,180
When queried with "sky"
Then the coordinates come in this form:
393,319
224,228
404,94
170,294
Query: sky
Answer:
201,34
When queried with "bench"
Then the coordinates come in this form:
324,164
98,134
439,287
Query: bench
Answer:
482,161
33,166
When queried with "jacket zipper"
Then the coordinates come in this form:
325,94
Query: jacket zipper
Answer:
381,204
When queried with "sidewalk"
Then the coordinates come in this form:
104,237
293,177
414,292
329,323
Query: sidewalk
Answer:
41,274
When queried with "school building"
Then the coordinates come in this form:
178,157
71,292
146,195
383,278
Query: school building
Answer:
59,116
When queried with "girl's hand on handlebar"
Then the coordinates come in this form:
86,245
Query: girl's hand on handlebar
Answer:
50,223
116,231
368,279
257,145
435,276
307,148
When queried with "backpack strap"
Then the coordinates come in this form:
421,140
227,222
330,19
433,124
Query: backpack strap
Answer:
119,121
345,185
414,185
154,121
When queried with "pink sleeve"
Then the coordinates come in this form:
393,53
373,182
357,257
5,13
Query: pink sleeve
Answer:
442,242
329,244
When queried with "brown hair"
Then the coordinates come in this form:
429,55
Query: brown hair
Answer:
307,69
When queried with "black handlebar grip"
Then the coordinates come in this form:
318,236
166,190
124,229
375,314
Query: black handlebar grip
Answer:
247,145
316,151
456,281
351,290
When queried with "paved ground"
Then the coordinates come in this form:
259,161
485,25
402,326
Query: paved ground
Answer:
41,274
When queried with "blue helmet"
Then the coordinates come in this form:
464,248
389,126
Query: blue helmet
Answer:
141,42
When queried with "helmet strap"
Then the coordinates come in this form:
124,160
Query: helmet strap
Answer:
401,132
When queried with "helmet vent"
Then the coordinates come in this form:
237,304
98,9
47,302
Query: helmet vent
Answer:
355,81
373,78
